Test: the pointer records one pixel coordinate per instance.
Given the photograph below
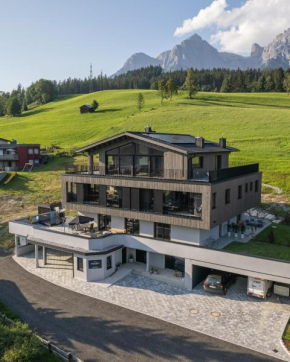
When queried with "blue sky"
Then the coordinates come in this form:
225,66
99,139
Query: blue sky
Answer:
56,39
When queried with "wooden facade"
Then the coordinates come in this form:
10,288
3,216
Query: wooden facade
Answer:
177,176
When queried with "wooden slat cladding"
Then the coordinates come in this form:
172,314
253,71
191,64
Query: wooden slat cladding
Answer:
136,182
145,216
249,199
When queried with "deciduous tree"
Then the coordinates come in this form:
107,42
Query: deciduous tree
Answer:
140,101
190,83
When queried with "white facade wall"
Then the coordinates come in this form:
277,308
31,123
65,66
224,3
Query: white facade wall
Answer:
147,229
185,234
118,223
157,260
206,235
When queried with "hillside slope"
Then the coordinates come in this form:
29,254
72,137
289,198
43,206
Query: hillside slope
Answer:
258,124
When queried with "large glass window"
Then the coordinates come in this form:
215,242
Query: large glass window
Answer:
113,165
126,165
72,192
156,166
182,203
114,196
91,194
142,164
146,200
132,226
134,159
162,231
104,222
174,263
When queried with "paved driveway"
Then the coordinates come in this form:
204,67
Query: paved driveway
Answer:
99,331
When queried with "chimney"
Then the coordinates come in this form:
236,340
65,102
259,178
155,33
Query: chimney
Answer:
223,142
199,142
148,129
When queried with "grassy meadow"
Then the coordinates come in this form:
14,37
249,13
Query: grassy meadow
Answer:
257,124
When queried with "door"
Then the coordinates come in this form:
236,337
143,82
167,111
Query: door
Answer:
141,256
124,255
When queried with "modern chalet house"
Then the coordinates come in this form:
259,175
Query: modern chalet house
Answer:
155,200
14,156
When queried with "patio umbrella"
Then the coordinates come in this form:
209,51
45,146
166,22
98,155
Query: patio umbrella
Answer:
80,220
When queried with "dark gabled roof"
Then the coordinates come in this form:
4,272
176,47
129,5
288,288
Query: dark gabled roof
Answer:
87,105
182,143
4,139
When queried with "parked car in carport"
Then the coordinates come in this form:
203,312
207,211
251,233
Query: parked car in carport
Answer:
219,282
255,222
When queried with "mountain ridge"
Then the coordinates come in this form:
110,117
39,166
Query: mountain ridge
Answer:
197,53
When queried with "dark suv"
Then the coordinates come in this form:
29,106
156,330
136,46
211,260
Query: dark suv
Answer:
219,282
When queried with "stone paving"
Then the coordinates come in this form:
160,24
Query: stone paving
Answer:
246,321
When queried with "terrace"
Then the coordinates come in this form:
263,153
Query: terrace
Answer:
196,174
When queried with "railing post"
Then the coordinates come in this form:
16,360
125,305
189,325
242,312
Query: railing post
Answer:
91,164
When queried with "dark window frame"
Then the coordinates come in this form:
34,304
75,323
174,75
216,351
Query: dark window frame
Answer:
133,229
80,264
256,185
251,186
164,230
240,192
227,196
246,187
109,262
213,200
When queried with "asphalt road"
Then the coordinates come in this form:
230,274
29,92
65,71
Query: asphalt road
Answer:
98,331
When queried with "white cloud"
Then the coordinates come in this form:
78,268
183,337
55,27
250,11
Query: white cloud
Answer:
256,21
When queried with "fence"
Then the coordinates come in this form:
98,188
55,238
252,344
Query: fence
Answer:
65,356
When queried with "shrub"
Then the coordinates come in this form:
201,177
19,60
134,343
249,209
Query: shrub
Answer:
17,344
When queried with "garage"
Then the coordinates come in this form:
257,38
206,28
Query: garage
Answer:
58,259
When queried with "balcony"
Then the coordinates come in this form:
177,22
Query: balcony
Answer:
9,157
225,173
139,172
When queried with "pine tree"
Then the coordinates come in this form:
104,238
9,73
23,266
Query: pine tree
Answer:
172,88
162,90
13,106
269,84
95,104
190,83
262,83
227,85
279,79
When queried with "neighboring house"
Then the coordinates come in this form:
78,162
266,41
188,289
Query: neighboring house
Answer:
86,108
14,156
156,199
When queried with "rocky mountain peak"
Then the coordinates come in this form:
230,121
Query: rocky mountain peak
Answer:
197,53
256,51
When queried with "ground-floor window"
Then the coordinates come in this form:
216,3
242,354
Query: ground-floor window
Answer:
162,231
171,262
104,222
132,226
109,262
80,264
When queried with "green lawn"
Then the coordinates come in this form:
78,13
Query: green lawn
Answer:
258,124
18,344
260,245
281,235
